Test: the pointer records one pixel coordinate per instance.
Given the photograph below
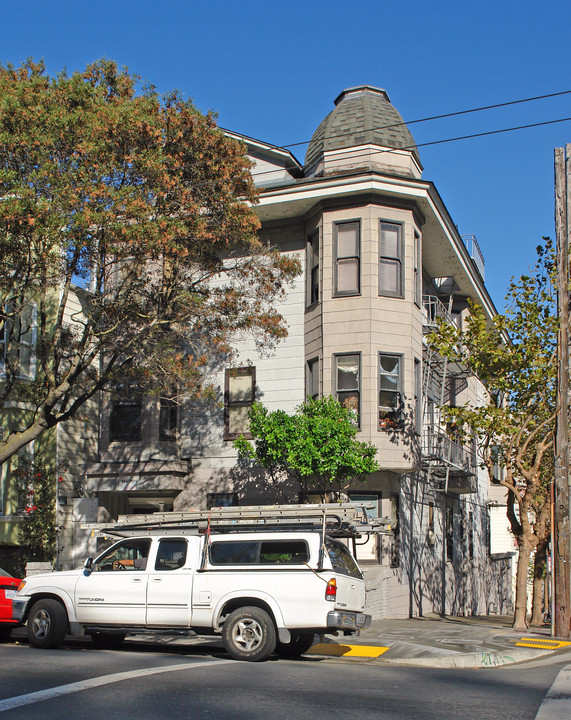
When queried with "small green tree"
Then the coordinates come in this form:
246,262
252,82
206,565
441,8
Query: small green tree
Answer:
38,529
514,357
315,446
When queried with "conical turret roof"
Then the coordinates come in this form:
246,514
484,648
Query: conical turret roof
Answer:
362,115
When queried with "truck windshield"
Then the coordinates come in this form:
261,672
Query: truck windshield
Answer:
341,559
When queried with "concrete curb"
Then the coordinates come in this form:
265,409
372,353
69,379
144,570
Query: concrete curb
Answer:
421,656
485,659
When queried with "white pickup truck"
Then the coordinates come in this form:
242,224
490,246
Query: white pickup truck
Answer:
264,584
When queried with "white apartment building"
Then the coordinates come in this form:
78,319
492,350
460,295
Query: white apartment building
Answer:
382,260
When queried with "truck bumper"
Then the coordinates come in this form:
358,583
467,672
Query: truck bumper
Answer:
18,609
340,620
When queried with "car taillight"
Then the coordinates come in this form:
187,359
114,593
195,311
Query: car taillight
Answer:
331,590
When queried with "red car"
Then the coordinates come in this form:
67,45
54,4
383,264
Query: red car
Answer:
8,587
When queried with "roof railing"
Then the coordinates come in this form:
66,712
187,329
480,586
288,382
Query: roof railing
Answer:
475,253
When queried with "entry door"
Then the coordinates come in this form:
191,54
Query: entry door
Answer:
170,585
115,592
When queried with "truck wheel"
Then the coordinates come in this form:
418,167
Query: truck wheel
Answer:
300,643
107,641
249,634
47,624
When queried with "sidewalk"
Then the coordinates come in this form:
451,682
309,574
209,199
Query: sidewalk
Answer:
435,641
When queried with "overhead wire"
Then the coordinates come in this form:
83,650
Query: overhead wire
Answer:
442,116
446,115
446,140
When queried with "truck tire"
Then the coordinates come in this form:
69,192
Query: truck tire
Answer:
249,634
300,643
47,624
107,640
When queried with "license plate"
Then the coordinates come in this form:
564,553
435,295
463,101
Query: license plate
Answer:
10,594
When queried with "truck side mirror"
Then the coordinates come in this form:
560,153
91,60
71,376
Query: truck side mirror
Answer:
88,566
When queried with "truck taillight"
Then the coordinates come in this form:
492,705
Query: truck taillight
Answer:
331,590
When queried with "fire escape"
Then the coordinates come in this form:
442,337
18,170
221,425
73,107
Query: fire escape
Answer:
448,459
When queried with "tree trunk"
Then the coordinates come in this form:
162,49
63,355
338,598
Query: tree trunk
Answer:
520,614
538,583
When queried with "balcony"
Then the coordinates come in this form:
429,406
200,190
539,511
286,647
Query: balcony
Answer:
447,458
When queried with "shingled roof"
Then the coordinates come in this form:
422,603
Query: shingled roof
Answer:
362,115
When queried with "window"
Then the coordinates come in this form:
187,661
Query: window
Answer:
417,270
417,396
125,418
168,416
238,399
390,260
449,532
313,268
368,551
341,559
19,328
347,258
347,382
221,500
128,555
312,378
390,404
395,525
431,539
171,554
259,552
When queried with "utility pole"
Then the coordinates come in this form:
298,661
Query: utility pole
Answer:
561,549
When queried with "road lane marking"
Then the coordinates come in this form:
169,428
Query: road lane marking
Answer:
90,683
557,703
346,650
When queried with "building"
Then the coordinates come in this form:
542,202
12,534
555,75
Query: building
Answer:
383,260
66,446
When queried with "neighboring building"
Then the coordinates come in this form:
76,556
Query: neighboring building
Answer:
382,261
68,445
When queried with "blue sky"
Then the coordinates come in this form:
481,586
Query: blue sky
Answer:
271,70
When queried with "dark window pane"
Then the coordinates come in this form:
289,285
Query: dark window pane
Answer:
125,422
168,420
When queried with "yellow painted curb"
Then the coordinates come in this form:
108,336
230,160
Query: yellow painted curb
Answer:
543,644
346,650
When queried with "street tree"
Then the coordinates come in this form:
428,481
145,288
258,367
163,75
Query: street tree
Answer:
129,251
514,356
315,447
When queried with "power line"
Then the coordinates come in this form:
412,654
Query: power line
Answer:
446,115
446,140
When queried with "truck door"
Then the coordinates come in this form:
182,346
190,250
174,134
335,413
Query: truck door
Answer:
170,584
115,591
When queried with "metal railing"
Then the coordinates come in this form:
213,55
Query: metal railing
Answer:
441,447
475,253
434,309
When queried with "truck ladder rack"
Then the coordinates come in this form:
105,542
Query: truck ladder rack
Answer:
339,519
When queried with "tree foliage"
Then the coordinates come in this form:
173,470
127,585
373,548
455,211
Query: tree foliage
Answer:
137,208
38,529
515,358
315,446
